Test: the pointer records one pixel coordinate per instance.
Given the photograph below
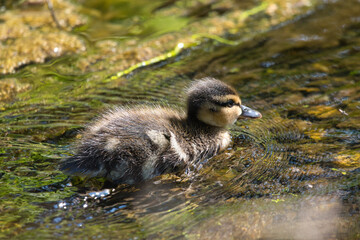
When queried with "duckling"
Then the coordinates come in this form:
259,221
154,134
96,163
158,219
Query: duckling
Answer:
131,145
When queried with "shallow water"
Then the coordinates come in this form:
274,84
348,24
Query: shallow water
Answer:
294,174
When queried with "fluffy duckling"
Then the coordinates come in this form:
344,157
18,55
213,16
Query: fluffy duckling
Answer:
133,145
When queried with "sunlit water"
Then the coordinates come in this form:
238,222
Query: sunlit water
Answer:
292,175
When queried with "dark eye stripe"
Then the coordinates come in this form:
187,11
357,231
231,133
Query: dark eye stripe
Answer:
229,103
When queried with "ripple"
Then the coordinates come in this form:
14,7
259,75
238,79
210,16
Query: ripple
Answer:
261,162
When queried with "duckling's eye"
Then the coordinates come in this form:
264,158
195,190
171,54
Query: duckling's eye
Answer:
230,103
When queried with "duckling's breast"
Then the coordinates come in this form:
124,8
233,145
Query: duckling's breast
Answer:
191,143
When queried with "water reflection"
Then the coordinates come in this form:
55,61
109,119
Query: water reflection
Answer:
291,218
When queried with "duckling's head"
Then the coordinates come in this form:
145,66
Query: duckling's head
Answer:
216,103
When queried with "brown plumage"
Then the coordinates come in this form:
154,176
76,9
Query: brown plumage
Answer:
130,145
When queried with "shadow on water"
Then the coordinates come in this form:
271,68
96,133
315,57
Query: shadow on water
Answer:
292,175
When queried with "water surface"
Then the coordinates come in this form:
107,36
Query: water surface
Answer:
294,174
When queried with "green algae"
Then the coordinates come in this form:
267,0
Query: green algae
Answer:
19,199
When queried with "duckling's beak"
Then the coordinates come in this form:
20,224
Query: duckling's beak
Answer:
249,113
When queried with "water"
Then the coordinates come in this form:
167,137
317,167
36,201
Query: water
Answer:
294,174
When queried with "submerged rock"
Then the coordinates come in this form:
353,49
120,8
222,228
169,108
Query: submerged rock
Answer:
9,87
348,159
31,35
323,112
